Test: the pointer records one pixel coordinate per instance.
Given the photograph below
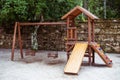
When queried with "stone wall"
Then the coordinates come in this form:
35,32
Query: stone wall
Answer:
107,33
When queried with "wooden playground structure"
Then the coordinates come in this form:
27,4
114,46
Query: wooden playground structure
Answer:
75,49
28,24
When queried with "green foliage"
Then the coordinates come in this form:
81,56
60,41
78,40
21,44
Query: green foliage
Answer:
20,10
57,8
113,9
12,10
33,10
96,7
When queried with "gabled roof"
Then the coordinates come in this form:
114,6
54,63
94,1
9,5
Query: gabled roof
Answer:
78,10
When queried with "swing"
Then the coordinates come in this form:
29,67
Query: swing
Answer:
34,43
30,52
54,55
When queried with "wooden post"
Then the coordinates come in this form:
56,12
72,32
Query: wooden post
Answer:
19,40
93,32
68,25
68,21
89,40
93,40
75,30
14,41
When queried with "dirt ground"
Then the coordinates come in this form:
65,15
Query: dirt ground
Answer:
40,67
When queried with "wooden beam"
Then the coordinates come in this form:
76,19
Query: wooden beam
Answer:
19,40
93,40
89,31
93,30
14,41
42,23
68,25
89,40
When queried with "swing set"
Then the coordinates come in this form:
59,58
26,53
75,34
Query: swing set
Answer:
27,24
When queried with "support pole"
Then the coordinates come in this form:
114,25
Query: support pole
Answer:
93,31
20,41
93,40
14,41
68,25
89,40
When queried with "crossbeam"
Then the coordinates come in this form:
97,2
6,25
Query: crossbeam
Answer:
42,23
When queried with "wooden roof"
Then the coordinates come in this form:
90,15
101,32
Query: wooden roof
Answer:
78,10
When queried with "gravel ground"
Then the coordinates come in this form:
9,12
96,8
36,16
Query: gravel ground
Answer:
40,67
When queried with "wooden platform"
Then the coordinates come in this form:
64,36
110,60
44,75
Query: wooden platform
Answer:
74,63
100,52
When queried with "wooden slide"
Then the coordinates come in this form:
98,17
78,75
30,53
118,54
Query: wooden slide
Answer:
74,63
100,52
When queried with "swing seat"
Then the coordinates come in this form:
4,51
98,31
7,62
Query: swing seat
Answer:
30,52
53,55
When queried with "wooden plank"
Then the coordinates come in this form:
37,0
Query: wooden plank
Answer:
42,23
14,41
20,41
74,63
89,39
100,52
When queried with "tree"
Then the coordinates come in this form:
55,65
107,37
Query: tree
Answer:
33,10
57,8
12,10
20,10
96,7
113,8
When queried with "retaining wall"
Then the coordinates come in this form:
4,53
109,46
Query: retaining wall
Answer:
107,33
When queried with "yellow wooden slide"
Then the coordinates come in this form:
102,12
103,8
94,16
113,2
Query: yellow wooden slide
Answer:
74,63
